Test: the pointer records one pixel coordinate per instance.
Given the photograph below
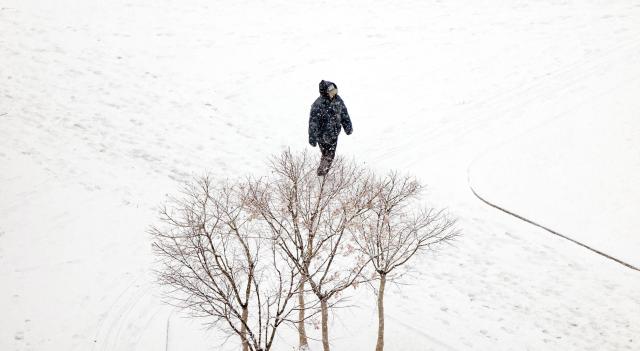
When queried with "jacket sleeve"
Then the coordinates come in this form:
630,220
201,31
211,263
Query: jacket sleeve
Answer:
345,120
313,125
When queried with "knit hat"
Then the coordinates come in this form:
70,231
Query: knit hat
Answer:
325,87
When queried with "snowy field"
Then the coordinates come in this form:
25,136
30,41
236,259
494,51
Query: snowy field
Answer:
108,106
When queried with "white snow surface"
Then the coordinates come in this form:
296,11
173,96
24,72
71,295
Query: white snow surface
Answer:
589,155
106,107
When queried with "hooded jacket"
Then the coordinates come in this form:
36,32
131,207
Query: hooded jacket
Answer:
328,117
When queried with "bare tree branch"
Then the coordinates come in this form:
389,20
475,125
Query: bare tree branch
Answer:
395,231
212,256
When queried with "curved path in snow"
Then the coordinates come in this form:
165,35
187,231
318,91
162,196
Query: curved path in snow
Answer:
509,212
594,143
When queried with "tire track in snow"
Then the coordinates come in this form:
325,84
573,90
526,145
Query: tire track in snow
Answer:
481,198
122,315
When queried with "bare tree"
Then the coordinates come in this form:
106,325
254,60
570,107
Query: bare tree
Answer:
221,265
309,217
395,231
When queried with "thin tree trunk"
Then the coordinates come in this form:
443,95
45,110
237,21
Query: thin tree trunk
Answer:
302,333
325,330
243,328
383,282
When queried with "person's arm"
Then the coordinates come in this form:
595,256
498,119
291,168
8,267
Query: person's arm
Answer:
345,120
313,126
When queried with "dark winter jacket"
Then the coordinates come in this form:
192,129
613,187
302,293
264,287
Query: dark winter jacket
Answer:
328,117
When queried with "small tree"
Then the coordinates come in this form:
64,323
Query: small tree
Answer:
219,262
395,231
309,217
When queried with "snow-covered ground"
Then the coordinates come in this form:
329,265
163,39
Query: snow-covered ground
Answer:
588,154
106,107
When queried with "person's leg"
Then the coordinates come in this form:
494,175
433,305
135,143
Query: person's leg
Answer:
328,154
331,153
323,148
323,159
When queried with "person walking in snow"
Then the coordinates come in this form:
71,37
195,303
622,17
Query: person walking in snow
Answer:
327,118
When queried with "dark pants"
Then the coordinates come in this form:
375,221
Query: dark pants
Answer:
328,153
